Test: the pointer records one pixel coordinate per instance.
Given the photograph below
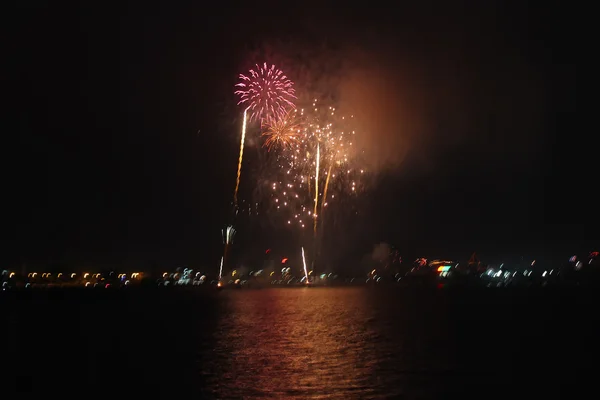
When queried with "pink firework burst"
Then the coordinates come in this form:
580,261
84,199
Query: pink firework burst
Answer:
266,92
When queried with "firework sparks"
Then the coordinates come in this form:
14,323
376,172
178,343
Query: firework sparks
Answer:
266,92
319,168
285,132
228,234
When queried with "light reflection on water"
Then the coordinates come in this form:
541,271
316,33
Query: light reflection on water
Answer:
305,343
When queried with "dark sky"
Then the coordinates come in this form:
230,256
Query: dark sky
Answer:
121,146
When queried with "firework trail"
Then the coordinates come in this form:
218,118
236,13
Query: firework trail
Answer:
304,263
221,270
228,235
239,170
324,198
317,165
266,93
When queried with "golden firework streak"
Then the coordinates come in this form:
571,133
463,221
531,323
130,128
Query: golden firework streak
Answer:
317,187
324,199
239,171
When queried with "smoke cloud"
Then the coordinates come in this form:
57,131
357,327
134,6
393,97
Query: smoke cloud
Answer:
420,98
386,109
381,252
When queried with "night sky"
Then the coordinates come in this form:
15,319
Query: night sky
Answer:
122,136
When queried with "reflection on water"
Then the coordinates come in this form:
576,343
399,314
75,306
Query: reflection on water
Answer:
304,343
322,343
295,344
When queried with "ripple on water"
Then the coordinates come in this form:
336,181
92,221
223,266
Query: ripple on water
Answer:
302,344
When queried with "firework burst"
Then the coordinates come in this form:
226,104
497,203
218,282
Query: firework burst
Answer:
266,93
319,170
321,166
285,132
228,235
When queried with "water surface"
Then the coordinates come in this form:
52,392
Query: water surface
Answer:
301,343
